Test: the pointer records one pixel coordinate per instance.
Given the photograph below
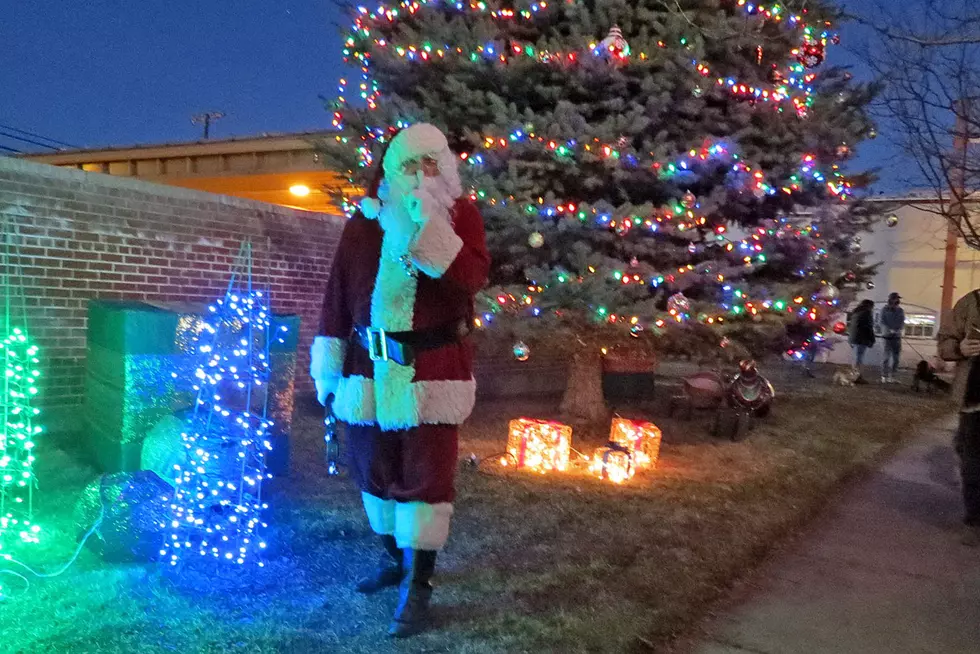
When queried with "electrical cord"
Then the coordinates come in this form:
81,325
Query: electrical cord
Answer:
64,568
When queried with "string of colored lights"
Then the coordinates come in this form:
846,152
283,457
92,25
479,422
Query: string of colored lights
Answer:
217,509
811,50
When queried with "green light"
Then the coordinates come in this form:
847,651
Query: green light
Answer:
779,305
618,275
17,440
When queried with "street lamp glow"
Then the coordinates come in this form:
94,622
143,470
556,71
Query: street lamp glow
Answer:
299,190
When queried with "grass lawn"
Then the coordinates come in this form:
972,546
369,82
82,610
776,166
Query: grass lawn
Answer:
558,563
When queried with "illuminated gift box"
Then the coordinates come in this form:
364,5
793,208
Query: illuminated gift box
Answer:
540,445
642,439
613,462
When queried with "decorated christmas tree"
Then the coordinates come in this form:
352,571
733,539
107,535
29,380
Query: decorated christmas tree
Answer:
651,173
217,507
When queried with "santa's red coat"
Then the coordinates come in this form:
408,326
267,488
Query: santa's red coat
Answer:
448,263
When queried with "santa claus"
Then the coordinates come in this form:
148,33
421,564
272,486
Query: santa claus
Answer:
392,350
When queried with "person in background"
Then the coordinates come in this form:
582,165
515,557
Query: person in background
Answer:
959,341
892,329
861,334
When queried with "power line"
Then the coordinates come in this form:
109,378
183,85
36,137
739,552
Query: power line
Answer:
38,136
27,140
5,148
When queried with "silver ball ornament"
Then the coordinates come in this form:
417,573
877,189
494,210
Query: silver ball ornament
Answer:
535,240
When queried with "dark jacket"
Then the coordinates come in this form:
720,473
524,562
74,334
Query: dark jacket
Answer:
861,327
892,321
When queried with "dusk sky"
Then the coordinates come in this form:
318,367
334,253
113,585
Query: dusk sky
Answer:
117,72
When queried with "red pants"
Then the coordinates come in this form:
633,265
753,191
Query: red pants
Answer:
406,480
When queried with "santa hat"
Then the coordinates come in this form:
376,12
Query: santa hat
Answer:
419,140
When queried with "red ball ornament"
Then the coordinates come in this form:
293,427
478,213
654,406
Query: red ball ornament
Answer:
840,327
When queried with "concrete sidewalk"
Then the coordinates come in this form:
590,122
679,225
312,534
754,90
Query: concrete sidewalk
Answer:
882,571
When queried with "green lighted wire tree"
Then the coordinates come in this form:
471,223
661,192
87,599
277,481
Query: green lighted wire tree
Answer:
20,426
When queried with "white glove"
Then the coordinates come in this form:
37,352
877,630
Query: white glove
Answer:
324,388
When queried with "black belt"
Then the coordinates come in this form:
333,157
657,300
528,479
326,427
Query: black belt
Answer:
401,347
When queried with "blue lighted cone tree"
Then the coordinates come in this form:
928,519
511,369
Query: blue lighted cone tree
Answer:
656,174
217,508
20,426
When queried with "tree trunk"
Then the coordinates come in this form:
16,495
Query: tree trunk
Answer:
583,396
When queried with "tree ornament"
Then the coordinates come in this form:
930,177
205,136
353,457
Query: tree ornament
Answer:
636,330
678,304
725,341
697,91
843,150
622,141
521,351
855,245
849,276
535,240
892,220
872,133
812,55
871,286
840,327
634,262
692,248
689,200
835,39
614,44
622,227
828,293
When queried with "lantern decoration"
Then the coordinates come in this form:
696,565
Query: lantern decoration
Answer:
642,439
614,44
535,240
521,351
540,445
331,444
613,462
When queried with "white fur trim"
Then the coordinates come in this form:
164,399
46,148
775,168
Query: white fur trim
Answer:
380,513
442,402
370,207
436,247
421,526
413,142
327,357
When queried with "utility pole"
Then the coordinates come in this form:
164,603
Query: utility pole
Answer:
205,119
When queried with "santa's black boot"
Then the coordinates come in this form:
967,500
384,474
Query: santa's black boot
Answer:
415,592
389,572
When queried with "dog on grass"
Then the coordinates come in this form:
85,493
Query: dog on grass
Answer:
846,376
925,373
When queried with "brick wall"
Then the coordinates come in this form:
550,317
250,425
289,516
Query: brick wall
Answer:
87,235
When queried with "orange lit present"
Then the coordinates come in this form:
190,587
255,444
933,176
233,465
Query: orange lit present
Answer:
613,462
540,445
642,439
